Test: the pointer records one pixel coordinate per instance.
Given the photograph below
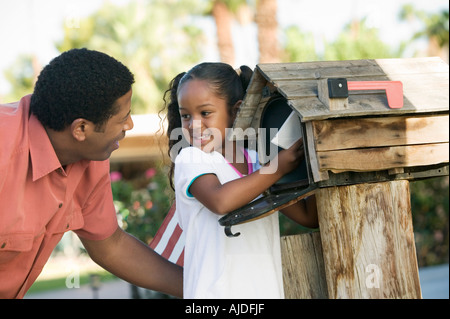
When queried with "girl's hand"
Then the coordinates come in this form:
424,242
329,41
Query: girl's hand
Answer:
224,198
289,159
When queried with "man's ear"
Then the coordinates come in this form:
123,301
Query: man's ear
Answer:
80,129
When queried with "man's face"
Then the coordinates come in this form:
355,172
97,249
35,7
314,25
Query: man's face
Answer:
101,143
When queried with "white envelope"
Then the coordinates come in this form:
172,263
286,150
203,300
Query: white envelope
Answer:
289,133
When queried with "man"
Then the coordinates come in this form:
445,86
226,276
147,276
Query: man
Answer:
54,175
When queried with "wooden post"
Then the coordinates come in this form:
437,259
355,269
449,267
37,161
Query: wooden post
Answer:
303,268
368,241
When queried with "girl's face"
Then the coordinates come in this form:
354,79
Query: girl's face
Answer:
204,116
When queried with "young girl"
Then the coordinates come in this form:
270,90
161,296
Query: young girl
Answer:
212,179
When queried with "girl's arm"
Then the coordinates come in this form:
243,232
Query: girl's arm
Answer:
224,198
304,212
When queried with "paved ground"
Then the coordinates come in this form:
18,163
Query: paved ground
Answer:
434,283
116,289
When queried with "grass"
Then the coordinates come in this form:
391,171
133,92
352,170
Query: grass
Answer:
60,282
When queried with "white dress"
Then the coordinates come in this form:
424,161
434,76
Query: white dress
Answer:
217,266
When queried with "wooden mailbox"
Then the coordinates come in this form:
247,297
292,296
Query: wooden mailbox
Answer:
361,152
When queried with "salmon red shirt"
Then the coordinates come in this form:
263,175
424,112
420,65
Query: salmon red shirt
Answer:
40,200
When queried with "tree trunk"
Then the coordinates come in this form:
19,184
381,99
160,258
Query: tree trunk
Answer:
266,19
223,19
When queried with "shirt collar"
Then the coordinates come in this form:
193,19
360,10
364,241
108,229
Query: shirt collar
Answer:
43,156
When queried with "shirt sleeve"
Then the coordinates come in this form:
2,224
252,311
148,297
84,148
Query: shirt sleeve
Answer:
190,164
99,214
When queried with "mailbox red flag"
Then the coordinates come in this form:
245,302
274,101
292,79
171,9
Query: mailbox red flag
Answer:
169,239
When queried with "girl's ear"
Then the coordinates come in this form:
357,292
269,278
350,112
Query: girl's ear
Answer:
235,109
80,129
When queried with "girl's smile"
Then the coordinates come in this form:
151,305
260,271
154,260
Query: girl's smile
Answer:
201,138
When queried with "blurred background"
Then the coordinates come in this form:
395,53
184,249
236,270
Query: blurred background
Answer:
158,39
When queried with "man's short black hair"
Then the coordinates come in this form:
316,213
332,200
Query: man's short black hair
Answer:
80,83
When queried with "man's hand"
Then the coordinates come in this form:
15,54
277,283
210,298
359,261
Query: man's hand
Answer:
128,258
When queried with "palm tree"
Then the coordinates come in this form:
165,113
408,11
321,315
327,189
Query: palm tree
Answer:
224,11
266,19
223,19
435,29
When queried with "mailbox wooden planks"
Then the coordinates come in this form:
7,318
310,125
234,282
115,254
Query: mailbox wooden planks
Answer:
425,84
373,144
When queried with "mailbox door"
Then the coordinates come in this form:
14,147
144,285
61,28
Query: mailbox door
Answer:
273,117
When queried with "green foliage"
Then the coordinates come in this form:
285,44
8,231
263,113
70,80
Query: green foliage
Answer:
358,41
299,46
42,285
155,40
436,25
142,203
430,209
21,76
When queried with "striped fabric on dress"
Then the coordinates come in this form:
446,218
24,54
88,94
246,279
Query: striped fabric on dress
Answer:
169,239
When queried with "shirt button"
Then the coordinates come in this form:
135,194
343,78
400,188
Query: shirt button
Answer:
3,245
60,205
67,226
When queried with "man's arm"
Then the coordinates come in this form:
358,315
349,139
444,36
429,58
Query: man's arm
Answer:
128,258
304,212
